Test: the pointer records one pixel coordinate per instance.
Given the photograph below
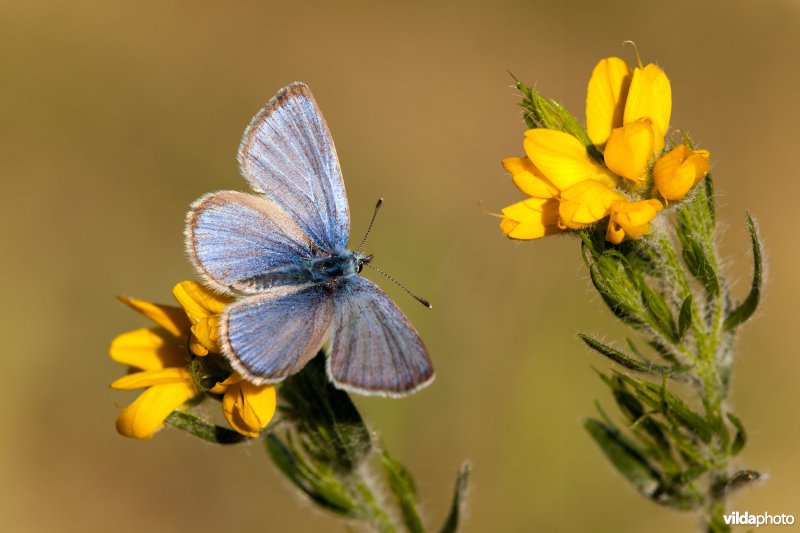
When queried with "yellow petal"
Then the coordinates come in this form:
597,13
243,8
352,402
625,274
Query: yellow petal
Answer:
207,333
650,96
629,149
222,386
147,413
148,349
149,378
248,408
530,219
198,301
679,170
195,346
173,319
605,98
586,202
563,159
631,219
528,178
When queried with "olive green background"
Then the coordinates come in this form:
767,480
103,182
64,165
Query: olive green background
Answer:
114,116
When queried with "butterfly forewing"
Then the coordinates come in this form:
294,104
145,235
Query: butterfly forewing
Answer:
287,153
233,236
271,336
375,348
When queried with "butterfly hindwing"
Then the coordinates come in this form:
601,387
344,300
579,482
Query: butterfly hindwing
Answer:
287,154
272,335
233,236
375,348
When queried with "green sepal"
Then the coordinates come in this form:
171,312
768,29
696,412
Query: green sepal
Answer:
208,370
542,112
402,485
746,309
203,429
453,521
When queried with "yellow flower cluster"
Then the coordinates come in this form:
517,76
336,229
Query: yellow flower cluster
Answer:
161,357
627,117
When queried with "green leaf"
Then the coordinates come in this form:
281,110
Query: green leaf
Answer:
634,411
741,479
628,361
659,311
452,523
741,436
203,429
708,189
401,483
625,456
684,317
700,265
675,410
746,309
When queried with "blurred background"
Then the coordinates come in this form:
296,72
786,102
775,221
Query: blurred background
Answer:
115,116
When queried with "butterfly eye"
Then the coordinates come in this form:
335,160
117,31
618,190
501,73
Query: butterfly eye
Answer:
359,268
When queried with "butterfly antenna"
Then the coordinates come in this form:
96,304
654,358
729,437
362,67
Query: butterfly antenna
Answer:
371,222
423,301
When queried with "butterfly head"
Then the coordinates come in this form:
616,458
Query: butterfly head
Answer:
361,259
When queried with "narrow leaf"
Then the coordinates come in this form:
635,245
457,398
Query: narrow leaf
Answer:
203,429
746,309
401,483
699,264
684,317
454,519
741,479
628,361
741,436
625,457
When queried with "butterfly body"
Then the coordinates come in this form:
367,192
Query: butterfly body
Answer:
283,251
317,269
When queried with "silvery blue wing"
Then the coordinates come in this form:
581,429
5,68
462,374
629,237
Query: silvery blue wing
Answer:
283,251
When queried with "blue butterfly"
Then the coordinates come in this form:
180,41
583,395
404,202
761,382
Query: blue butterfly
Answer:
283,250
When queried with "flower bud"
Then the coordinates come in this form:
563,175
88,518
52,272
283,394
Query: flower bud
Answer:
679,170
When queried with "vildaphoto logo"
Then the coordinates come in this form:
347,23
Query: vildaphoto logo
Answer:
764,519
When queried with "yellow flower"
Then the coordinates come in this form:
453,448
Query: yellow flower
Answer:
248,408
202,307
631,219
531,219
627,116
679,170
160,356
528,178
587,202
